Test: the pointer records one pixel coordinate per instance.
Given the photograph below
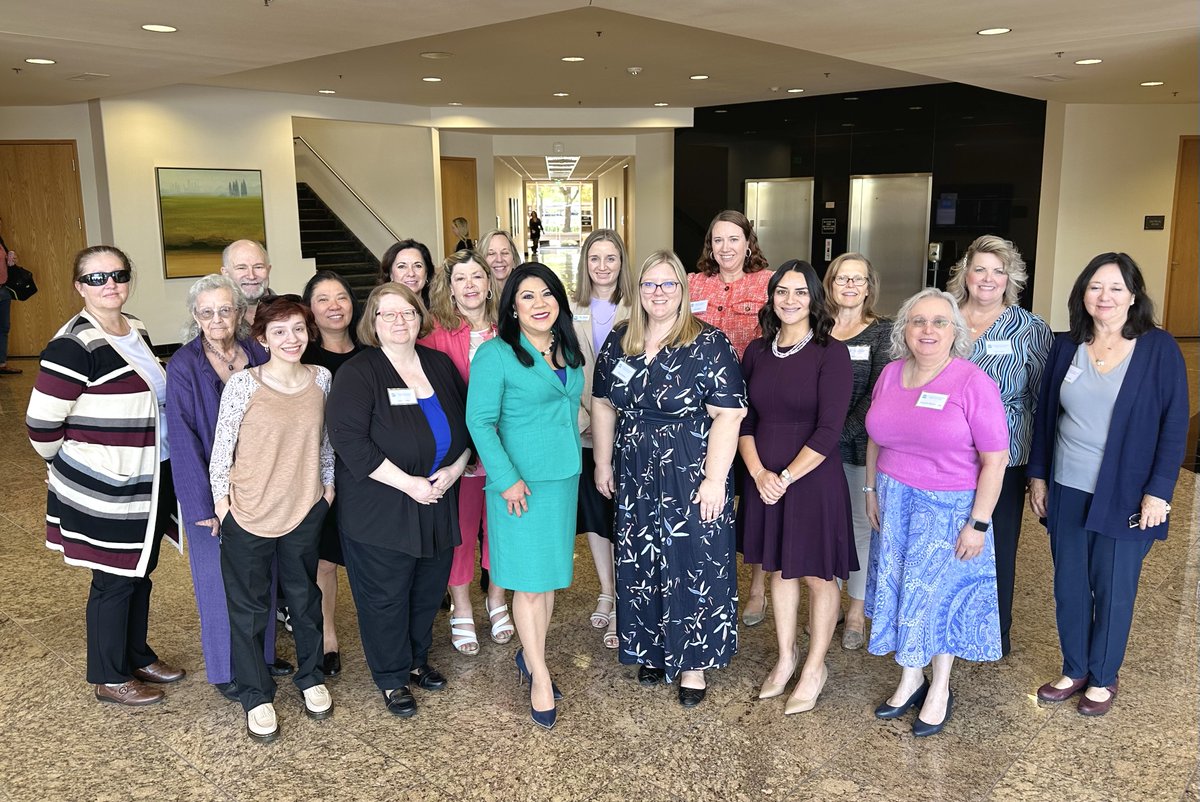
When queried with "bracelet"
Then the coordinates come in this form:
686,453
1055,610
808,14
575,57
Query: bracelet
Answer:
868,489
754,476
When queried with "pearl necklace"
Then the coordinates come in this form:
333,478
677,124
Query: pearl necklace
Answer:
784,354
212,349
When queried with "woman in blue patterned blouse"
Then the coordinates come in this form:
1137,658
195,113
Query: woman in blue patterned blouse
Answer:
1010,345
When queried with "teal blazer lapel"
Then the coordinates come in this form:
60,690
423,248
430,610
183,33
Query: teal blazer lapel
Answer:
544,370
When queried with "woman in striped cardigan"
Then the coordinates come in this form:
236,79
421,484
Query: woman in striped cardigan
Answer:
96,417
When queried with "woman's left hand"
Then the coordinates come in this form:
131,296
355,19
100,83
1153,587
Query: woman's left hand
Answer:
711,498
970,543
443,478
328,495
1154,511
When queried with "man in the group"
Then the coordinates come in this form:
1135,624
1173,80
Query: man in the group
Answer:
247,263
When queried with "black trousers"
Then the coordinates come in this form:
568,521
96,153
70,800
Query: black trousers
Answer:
1006,529
118,607
246,570
397,596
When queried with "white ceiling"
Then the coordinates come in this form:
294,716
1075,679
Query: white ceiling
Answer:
508,54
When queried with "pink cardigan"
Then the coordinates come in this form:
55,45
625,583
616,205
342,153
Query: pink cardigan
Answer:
455,344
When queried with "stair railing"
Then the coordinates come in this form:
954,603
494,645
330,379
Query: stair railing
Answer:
349,188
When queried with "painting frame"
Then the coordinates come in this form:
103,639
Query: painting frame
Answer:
201,210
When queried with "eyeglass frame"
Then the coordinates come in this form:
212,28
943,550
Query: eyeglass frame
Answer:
853,281
224,312
122,276
409,315
1135,520
659,285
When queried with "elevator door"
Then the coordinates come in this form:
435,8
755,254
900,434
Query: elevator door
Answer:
781,211
889,224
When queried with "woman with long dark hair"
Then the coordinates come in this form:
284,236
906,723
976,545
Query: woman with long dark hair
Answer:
408,262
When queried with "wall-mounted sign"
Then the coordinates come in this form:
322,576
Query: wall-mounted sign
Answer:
828,225
1155,222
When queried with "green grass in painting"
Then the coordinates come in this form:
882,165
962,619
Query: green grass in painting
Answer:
204,223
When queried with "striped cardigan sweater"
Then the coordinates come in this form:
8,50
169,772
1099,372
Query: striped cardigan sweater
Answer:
94,419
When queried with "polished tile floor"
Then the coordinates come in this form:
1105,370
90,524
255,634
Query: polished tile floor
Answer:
615,740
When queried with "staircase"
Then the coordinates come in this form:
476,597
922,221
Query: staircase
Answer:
324,237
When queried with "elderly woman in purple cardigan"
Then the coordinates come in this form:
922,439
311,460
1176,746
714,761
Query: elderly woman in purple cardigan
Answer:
217,344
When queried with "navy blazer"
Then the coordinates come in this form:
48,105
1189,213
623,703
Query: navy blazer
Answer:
1146,439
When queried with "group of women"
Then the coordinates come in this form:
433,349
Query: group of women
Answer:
475,403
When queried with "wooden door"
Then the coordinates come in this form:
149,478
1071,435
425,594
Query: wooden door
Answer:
41,205
459,199
1181,313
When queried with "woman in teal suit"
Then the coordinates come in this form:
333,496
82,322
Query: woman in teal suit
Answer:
521,411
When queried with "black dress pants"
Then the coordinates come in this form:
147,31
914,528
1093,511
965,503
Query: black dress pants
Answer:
397,596
246,570
1006,529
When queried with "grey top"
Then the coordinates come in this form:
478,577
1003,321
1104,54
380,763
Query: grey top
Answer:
870,351
1087,398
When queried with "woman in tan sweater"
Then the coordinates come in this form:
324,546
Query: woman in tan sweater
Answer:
272,481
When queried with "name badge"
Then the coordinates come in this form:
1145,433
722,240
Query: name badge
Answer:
1072,374
932,400
402,396
623,372
581,317
998,347
860,353
699,307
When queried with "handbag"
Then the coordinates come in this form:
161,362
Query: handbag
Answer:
20,283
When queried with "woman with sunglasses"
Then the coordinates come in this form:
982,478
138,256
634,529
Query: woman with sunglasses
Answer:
97,416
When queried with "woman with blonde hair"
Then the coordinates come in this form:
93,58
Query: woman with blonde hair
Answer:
500,254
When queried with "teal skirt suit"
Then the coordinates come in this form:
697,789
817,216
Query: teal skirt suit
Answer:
523,422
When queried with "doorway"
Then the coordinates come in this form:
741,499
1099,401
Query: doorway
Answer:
460,198
889,224
1181,310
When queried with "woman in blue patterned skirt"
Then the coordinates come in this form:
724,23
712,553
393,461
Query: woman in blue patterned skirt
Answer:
671,385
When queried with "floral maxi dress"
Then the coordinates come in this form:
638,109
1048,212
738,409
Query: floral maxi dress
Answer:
676,575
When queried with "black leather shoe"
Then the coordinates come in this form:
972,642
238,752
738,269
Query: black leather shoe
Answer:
229,690
331,666
427,678
400,702
690,697
916,700
921,729
281,668
651,676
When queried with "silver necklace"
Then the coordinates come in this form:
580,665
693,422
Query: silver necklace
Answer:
228,360
784,354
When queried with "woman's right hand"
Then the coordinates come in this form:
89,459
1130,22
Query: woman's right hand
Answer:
213,524
1037,497
515,498
605,483
770,487
422,491
873,510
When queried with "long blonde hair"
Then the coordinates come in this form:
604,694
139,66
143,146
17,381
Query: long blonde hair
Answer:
687,327
441,299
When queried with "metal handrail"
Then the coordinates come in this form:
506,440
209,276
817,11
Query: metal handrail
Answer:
357,197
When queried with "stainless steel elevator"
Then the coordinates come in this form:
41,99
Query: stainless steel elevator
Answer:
781,211
889,224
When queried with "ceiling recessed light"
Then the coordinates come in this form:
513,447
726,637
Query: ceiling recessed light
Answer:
432,79
915,108
326,91
39,61
436,54
159,28
453,103
1151,83
852,97
795,91
572,58
698,77
720,111
662,104
993,31
562,94
1086,61
847,125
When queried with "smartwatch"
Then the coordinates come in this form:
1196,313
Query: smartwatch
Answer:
786,476
979,526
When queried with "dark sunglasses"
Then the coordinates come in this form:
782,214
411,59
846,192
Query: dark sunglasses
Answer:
100,279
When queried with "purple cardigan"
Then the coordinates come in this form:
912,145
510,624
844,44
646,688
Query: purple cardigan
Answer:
193,400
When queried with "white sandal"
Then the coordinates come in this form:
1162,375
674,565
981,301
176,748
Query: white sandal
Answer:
464,640
599,618
502,630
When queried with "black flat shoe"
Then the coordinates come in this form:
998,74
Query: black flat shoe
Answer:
916,700
331,666
400,702
427,678
229,690
281,668
923,729
651,676
690,697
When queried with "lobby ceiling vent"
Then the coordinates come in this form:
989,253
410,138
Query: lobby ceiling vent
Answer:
89,76
1052,77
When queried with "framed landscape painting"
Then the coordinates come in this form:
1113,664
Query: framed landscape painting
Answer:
202,211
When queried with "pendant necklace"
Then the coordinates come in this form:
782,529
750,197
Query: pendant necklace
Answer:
212,349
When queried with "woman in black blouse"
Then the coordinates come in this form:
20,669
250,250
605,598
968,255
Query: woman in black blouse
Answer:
396,419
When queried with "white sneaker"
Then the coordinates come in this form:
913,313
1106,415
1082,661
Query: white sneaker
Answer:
317,702
261,723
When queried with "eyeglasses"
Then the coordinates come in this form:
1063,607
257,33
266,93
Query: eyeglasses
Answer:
1135,520
225,312
100,279
920,323
854,281
390,317
668,287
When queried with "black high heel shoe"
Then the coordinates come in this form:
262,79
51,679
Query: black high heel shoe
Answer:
916,700
922,729
523,674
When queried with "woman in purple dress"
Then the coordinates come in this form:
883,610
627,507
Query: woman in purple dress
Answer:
795,502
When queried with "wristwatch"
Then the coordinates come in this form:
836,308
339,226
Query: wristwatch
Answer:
979,526
786,476
868,489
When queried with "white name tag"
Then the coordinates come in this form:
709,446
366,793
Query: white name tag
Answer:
932,400
401,396
998,347
699,307
580,317
623,372
860,353
1072,374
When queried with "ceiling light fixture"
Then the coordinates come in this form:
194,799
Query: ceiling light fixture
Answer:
436,54
326,91
1151,83
432,79
852,97
720,111
562,94
572,58
1083,62
993,31
698,77
453,103
795,91
915,108
662,104
155,28
39,61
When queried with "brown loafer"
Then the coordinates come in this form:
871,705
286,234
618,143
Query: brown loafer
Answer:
1049,693
132,693
1090,707
160,672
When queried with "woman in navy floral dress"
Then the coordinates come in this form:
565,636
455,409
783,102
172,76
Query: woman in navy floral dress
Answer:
670,386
